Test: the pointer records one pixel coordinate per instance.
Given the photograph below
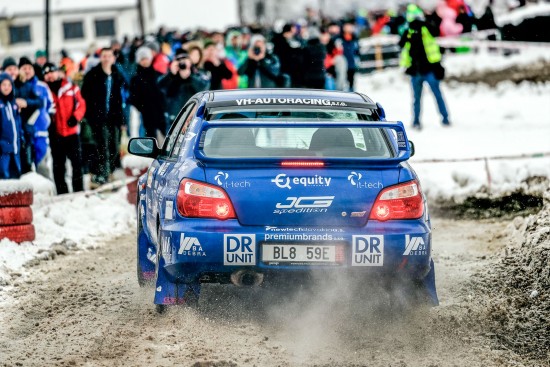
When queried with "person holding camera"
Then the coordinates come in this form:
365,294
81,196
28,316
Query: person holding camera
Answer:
70,108
261,67
181,83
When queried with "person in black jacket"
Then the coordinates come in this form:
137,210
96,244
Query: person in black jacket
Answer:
314,61
215,65
289,52
102,90
180,84
261,67
145,93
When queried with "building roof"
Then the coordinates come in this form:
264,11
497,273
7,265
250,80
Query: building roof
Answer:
10,8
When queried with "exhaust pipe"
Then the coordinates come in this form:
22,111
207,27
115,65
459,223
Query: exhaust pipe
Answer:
247,278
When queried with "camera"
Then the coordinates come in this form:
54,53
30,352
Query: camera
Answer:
257,50
182,65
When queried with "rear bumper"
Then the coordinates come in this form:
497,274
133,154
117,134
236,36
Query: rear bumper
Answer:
210,250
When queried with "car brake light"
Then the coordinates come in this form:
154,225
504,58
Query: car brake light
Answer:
402,201
201,200
302,164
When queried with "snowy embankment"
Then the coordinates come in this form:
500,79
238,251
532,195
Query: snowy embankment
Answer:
71,223
508,120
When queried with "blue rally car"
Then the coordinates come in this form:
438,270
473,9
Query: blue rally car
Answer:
255,184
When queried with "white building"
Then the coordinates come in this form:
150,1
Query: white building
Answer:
75,25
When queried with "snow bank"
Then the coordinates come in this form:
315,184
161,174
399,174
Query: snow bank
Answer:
76,223
517,287
8,187
517,16
463,64
40,185
507,120
135,164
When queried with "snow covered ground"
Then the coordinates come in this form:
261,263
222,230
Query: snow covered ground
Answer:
503,121
73,223
507,120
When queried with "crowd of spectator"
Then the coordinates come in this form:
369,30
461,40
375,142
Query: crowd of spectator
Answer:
79,110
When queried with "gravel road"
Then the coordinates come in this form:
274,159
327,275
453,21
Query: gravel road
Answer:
86,309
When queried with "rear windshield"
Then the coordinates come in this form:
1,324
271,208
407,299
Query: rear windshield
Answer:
288,141
289,114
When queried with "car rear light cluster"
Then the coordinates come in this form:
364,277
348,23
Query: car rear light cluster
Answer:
201,200
402,201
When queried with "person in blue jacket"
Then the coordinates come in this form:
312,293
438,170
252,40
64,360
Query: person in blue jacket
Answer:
40,119
11,131
350,44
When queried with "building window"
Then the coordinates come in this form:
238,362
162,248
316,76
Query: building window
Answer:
73,30
105,28
20,34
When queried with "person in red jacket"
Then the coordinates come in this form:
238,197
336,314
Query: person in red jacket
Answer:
70,108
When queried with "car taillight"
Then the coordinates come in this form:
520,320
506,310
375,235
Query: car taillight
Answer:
402,201
201,200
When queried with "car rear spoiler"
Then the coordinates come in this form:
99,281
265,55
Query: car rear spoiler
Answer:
403,145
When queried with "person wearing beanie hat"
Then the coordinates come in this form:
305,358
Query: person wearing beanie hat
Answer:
70,108
181,83
11,132
421,58
40,119
24,61
29,103
9,65
261,67
144,53
145,94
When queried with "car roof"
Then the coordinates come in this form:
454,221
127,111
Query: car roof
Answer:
229,95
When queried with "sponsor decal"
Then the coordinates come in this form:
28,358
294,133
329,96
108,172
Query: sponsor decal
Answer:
239,249
300,101
304,204
355,178
222,179
150,177
169,210
284,182
301,237
415,246
190,246
401,140
368,250
163,168
302,229
166,248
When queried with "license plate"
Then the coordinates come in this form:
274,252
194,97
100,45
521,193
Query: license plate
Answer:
299,253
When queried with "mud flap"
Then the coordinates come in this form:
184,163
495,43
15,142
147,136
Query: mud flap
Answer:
146,266
428,284
169,293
